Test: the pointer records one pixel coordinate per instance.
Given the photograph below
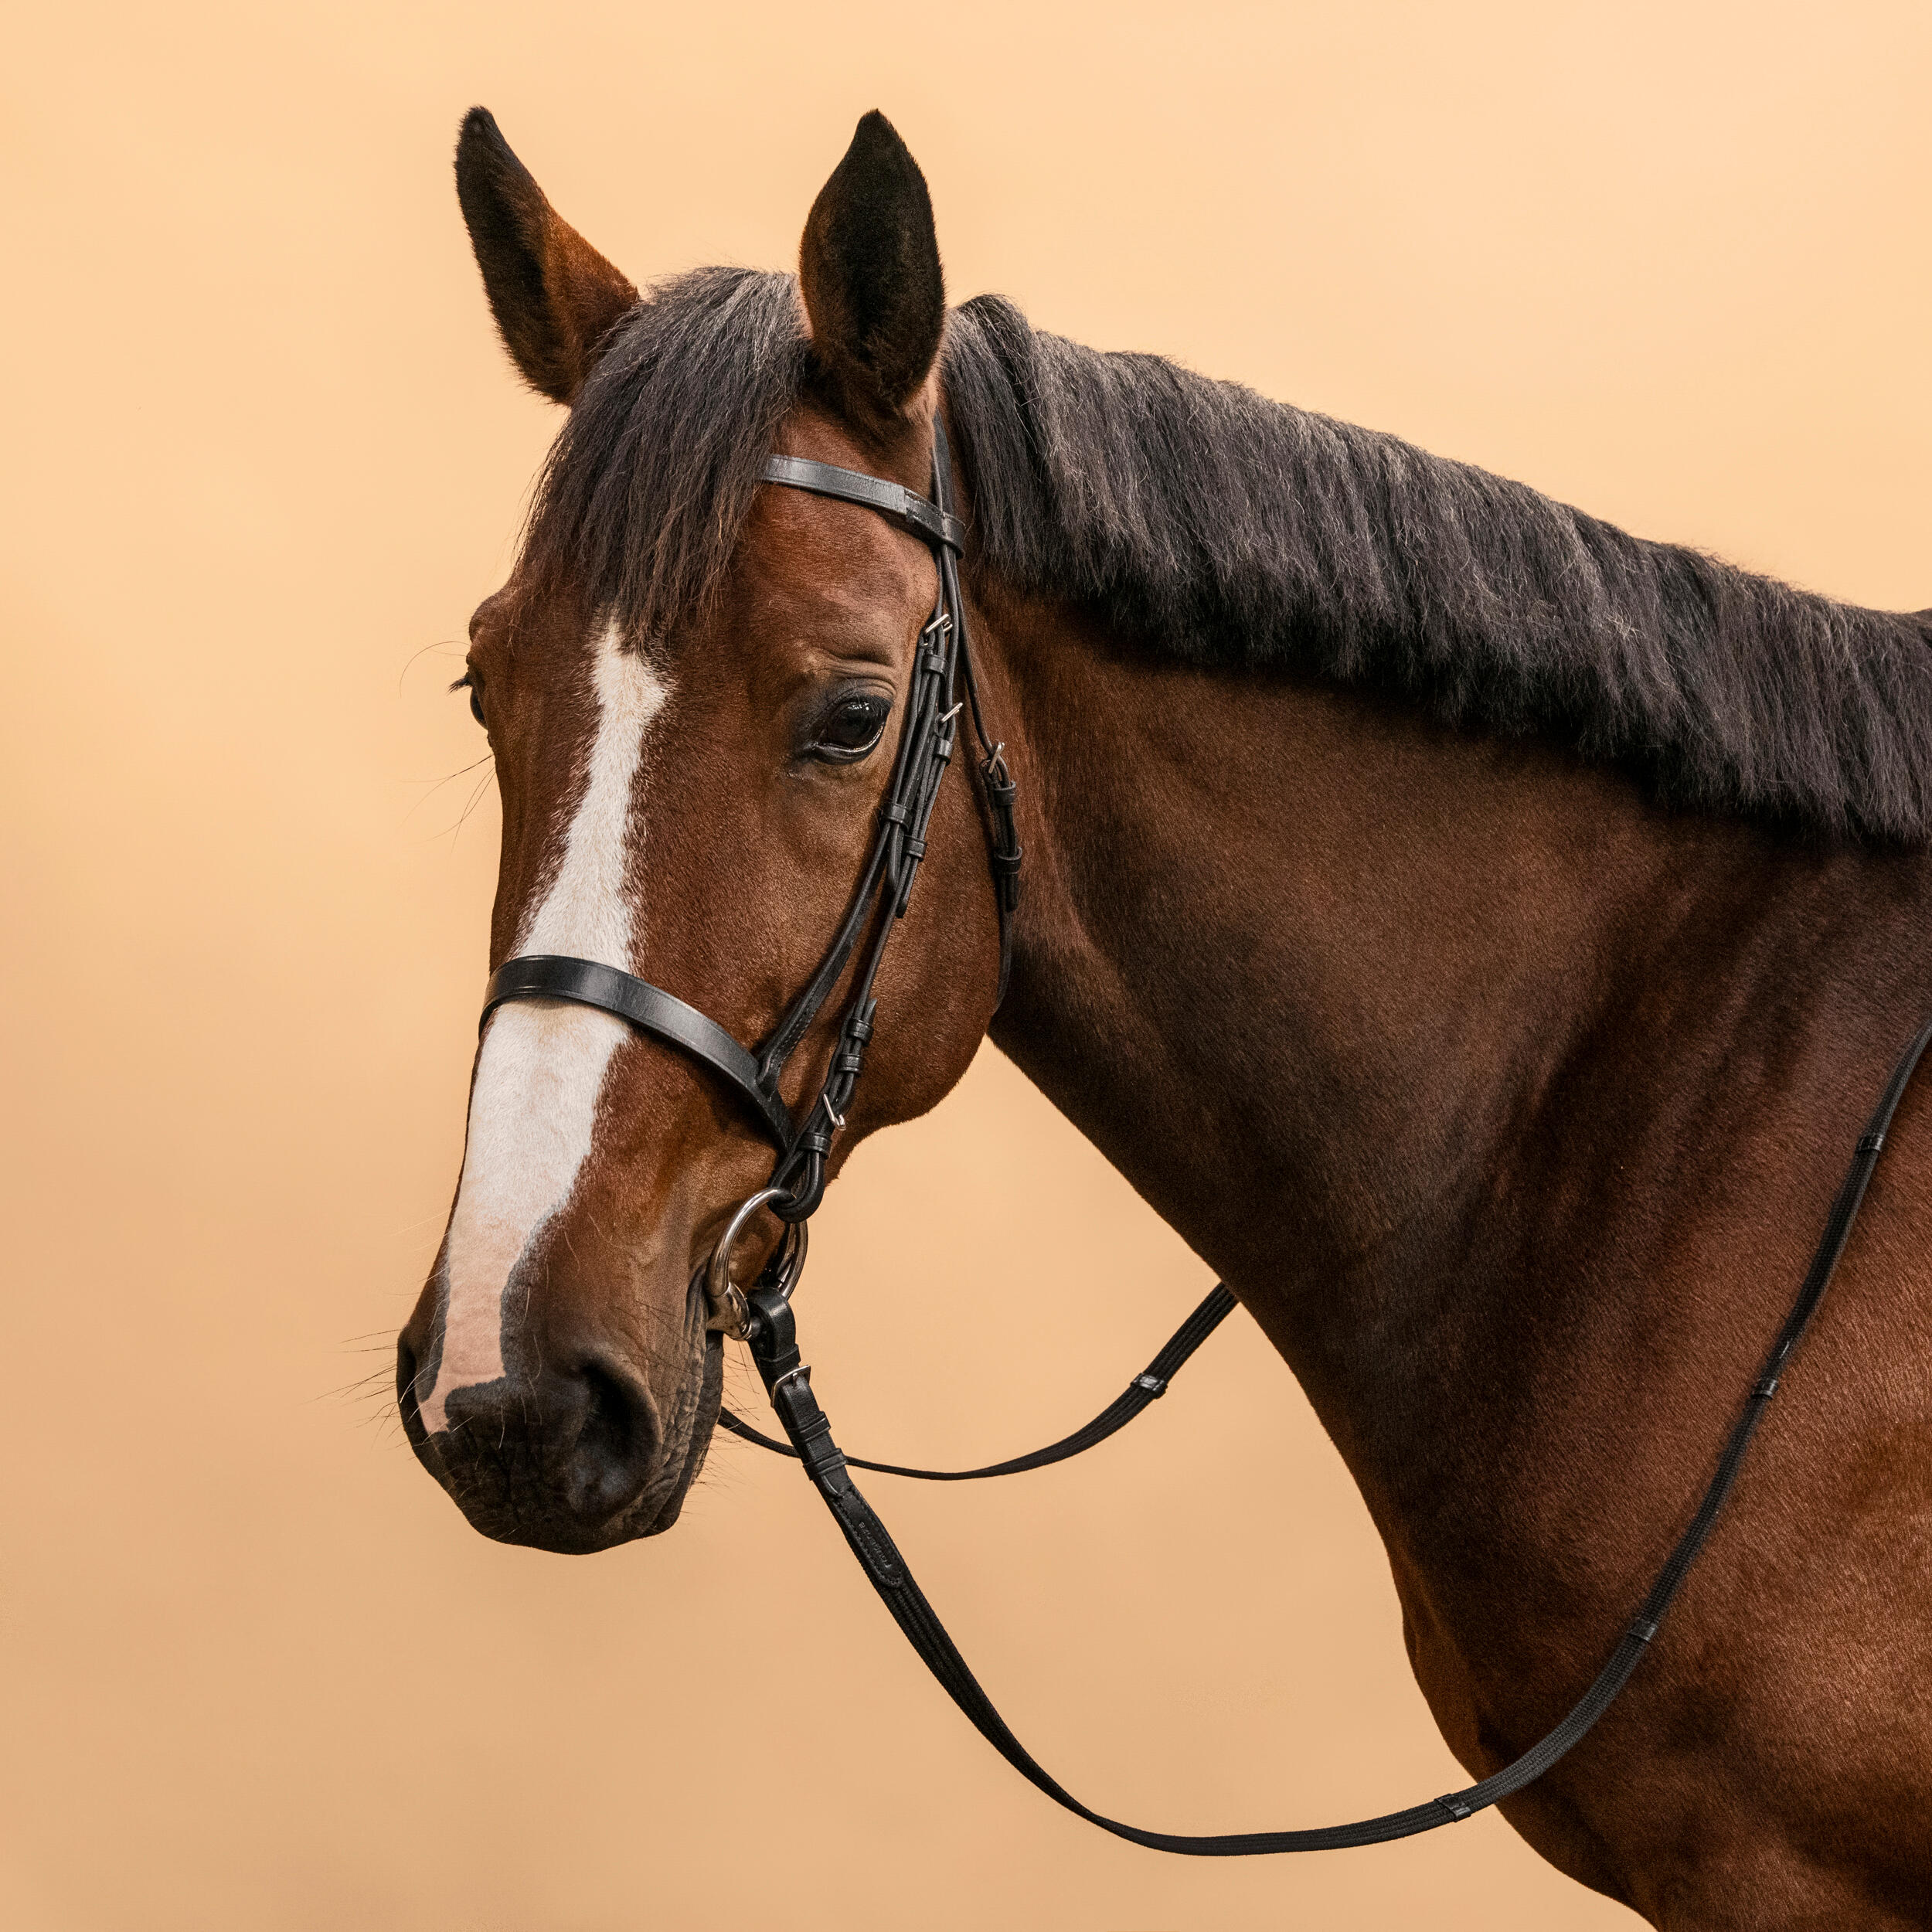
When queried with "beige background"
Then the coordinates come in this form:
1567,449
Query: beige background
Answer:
262,455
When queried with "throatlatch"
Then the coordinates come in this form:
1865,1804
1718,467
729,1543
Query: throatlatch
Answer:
763,1315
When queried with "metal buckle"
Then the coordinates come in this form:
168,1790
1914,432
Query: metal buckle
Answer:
730,1313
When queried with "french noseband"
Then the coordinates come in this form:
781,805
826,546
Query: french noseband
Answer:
763,1316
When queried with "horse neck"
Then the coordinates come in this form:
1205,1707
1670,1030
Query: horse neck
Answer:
1358,1003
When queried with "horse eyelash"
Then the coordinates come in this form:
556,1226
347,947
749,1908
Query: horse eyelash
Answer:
470,682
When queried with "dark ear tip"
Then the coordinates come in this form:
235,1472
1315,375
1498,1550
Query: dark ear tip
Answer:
875,135
878,161
869,270
487,168
480,144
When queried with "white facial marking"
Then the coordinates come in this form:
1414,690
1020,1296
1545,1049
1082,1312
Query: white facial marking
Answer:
535,1100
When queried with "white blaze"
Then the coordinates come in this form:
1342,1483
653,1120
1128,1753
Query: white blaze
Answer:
534,1102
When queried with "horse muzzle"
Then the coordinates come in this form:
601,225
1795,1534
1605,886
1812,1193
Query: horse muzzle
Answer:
575,1455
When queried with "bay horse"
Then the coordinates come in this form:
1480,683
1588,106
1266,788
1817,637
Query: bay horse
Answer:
1479,932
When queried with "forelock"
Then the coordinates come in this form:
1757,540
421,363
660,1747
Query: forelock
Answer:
641,502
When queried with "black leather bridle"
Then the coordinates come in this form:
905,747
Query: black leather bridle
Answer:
764,1316
942,668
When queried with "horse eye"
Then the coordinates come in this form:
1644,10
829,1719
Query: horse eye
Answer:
850,729
470,682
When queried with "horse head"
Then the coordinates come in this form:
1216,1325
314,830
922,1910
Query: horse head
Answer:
693,686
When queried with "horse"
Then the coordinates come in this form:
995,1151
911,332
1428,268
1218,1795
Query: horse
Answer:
1479,932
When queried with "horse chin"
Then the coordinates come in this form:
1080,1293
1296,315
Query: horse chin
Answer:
652,1515
703,1426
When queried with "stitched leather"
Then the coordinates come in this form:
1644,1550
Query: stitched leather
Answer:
897,503
650,1010
1144,1389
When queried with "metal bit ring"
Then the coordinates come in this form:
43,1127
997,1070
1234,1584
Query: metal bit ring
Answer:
730,1313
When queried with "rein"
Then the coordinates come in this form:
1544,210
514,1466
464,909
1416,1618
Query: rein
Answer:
763,1315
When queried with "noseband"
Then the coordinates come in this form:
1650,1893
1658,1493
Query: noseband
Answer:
942,668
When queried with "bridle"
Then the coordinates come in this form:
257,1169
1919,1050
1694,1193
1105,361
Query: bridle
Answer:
942,666
763,1316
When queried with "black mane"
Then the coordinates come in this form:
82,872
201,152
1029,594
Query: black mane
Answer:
1206,523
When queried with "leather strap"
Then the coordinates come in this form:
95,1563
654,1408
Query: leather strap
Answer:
1149,1386
996,782
650,1010
788,1381
913,513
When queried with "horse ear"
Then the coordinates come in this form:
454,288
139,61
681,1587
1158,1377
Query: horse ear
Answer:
554,296
869,270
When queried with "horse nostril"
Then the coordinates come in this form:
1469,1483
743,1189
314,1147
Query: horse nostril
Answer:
554,1456
611,1459
406,1388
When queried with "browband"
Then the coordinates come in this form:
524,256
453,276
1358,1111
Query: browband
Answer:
917,515
650,1010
